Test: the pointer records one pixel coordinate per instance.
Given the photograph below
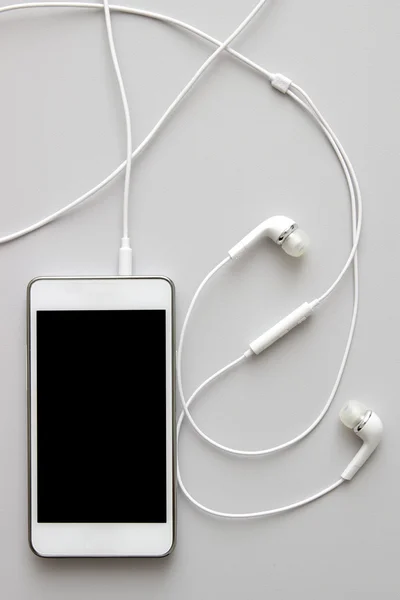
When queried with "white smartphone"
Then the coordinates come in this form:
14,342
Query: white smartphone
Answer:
100,384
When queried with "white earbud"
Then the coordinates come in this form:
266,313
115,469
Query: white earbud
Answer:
281,230
368,426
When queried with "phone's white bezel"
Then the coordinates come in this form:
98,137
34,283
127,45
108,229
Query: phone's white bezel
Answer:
101,539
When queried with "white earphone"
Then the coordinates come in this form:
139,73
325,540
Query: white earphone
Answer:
368,426
365,423
281,230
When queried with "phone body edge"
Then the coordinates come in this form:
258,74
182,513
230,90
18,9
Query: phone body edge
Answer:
173,408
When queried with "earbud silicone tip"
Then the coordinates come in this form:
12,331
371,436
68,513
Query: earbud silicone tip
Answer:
352,413
296,243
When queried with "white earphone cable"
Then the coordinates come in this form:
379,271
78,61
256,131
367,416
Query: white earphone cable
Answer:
124,268
354,196
303,101
22,232
260,513
227,515
164,18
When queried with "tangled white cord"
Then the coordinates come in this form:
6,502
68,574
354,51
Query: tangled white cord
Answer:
303,100
356,203
160,122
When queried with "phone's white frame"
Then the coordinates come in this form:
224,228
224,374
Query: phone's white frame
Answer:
101,539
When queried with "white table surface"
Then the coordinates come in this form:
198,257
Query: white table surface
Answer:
234,153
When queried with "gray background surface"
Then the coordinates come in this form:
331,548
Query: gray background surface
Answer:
234,153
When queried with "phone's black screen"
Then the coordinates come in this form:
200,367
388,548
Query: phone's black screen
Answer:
101,416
